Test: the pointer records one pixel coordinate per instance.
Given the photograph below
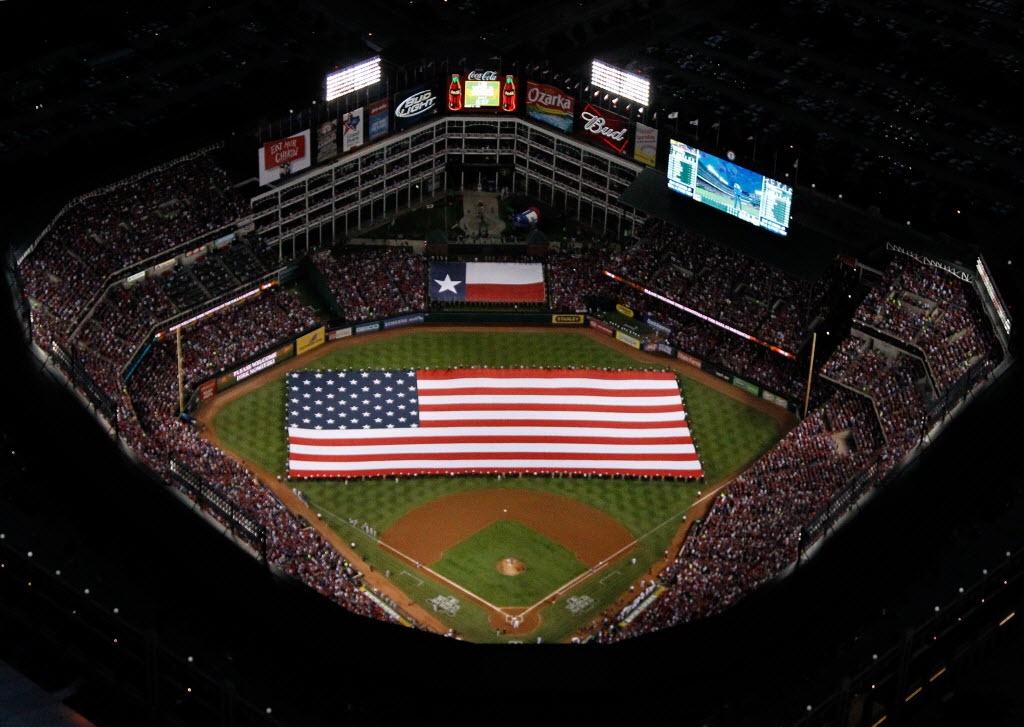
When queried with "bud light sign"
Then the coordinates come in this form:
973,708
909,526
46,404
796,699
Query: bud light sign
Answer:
603,128
414,106
550,104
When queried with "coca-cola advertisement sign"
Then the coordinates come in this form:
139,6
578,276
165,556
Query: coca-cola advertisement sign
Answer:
414,105
602,127
550,104
482,76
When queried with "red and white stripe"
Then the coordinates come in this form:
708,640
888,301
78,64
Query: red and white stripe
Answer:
518,420
505,282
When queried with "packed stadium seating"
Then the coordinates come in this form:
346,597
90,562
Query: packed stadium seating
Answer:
375,284
126,224
728,287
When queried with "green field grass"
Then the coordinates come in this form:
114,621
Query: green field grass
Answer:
473,564
729,437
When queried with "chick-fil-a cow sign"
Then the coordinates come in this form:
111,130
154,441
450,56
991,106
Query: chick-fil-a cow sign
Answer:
283,151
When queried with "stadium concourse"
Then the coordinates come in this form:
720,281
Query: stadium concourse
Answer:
919,337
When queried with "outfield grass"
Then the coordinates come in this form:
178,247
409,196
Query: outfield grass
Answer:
473,564
729,437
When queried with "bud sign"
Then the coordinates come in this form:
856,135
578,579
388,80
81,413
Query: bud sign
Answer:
602,127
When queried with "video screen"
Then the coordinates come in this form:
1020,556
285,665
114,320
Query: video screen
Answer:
718,183
482,94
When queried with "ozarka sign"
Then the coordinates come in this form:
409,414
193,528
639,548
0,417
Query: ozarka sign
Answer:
604,128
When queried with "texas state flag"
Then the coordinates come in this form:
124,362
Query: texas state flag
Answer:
487,282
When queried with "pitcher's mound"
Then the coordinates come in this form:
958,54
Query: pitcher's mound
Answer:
511,566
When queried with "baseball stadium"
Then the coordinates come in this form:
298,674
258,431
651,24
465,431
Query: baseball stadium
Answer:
480,378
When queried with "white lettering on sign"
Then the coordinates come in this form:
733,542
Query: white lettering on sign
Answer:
535,95
416,104
482,76
595,124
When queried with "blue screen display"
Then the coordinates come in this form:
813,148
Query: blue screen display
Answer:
733,189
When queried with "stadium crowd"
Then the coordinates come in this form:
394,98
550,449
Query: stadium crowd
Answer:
725,285
934,311
128,223
374,284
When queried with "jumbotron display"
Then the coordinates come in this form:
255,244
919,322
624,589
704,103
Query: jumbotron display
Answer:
729,187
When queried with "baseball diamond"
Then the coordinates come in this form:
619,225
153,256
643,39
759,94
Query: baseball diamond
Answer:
606,521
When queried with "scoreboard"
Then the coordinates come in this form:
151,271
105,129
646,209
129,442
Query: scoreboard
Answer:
735,190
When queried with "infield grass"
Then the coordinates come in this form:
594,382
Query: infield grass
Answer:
473,564
729,436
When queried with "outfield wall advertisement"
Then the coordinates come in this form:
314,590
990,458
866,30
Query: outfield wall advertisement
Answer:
404,321
567,319
627,339
207,390
367,328
746,386
339,333
254,367
692,360
310,341
601,326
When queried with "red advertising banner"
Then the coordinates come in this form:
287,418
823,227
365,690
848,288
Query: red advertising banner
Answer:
282,151
604,328
207,389
602,127
688,359
550,104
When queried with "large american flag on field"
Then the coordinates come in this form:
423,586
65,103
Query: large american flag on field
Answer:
359,423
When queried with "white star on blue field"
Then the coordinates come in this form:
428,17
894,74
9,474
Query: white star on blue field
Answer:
353,399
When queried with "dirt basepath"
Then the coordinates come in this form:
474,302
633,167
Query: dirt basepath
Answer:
589,533
207,412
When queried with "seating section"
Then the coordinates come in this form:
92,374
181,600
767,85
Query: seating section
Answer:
107,232
375,284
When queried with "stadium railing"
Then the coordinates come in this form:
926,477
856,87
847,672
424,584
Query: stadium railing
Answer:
232,515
